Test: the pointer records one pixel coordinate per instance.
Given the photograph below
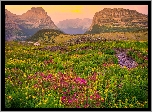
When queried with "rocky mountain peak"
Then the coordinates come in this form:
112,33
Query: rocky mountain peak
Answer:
119,17
29,23
39,10
35,12
10,15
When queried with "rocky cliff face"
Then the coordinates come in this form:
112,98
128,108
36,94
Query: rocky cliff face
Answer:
29,22
119,17
37,18
11,28
75,26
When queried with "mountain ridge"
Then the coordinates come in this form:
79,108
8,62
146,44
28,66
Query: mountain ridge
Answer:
75,26
29,22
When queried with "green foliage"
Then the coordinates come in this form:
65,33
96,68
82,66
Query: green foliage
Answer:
109,51
27,70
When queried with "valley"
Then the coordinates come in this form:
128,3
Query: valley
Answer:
97,65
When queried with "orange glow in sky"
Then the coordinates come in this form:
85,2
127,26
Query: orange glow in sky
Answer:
62,12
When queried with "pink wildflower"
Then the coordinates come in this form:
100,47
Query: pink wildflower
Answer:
49,76
70,101
80,80
86,106
41,74
94,76
63,99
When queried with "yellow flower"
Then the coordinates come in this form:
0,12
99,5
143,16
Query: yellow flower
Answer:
24,75
42,90
10,97
60,101
119,100
55,104
45,100
131,105
93,69
106,90
40,103
142,105
33,97
85,88
102,99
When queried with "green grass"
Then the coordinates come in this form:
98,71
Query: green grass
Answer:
45,79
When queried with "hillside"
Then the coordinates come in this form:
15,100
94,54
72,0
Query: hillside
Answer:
75,26
118,20
45,35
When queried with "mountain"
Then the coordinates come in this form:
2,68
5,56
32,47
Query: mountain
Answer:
46,35
118,19
75,26
29,23
37,18
12,29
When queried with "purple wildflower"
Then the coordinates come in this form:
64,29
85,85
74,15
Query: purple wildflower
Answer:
70,100
63,99
41,74
49,76
80,80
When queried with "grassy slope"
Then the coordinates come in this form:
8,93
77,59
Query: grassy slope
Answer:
55,36
45,35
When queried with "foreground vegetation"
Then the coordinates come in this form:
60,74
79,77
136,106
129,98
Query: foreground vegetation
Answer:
84,75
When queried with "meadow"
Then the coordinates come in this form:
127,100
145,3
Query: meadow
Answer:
85,75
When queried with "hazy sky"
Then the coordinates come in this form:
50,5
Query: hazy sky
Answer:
62,12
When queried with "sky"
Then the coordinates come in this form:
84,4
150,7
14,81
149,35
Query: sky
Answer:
62,12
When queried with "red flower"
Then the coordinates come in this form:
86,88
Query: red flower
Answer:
86,106
94,76
51,61
70,101
49,76
95,96
80,81
41,74
63,99
104,64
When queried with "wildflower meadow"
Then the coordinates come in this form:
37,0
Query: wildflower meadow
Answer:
86,75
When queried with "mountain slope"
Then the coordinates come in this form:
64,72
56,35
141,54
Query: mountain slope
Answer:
46,35
29,23
12,29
